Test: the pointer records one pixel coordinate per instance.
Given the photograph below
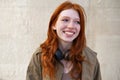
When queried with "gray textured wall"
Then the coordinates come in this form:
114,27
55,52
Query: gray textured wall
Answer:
23,26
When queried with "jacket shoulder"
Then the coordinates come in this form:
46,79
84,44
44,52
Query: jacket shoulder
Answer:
34,70
37,52
91,67
89,51
90,55
35,60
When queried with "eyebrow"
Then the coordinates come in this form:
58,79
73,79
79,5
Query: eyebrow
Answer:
69,17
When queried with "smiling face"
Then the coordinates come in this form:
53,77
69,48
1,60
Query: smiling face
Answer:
68,25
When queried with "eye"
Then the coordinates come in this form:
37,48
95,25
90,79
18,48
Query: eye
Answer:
77,22
65,20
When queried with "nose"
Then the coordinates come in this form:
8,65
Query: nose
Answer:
70,24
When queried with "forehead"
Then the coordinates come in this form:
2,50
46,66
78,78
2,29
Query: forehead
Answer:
69,13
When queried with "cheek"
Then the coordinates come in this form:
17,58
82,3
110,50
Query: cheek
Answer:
59,27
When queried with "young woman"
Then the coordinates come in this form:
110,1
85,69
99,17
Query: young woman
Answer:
64,54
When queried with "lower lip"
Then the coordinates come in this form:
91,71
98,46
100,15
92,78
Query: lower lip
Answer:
69,34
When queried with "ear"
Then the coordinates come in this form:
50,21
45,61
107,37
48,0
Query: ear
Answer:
54,28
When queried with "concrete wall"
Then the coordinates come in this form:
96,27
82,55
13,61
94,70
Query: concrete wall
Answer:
23,26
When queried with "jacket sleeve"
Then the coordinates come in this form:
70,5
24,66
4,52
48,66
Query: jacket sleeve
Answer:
97,73
34,70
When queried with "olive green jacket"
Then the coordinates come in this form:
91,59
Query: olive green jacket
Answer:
91,69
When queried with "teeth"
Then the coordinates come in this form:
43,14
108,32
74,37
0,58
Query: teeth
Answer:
70,33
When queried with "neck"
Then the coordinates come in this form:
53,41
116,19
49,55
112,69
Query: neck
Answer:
64,46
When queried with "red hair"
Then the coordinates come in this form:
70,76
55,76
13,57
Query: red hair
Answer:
50,46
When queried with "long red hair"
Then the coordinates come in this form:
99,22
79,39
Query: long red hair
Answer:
50,46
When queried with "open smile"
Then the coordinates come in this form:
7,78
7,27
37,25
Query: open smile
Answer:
69,33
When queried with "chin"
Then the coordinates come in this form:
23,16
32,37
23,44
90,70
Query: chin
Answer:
69,41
